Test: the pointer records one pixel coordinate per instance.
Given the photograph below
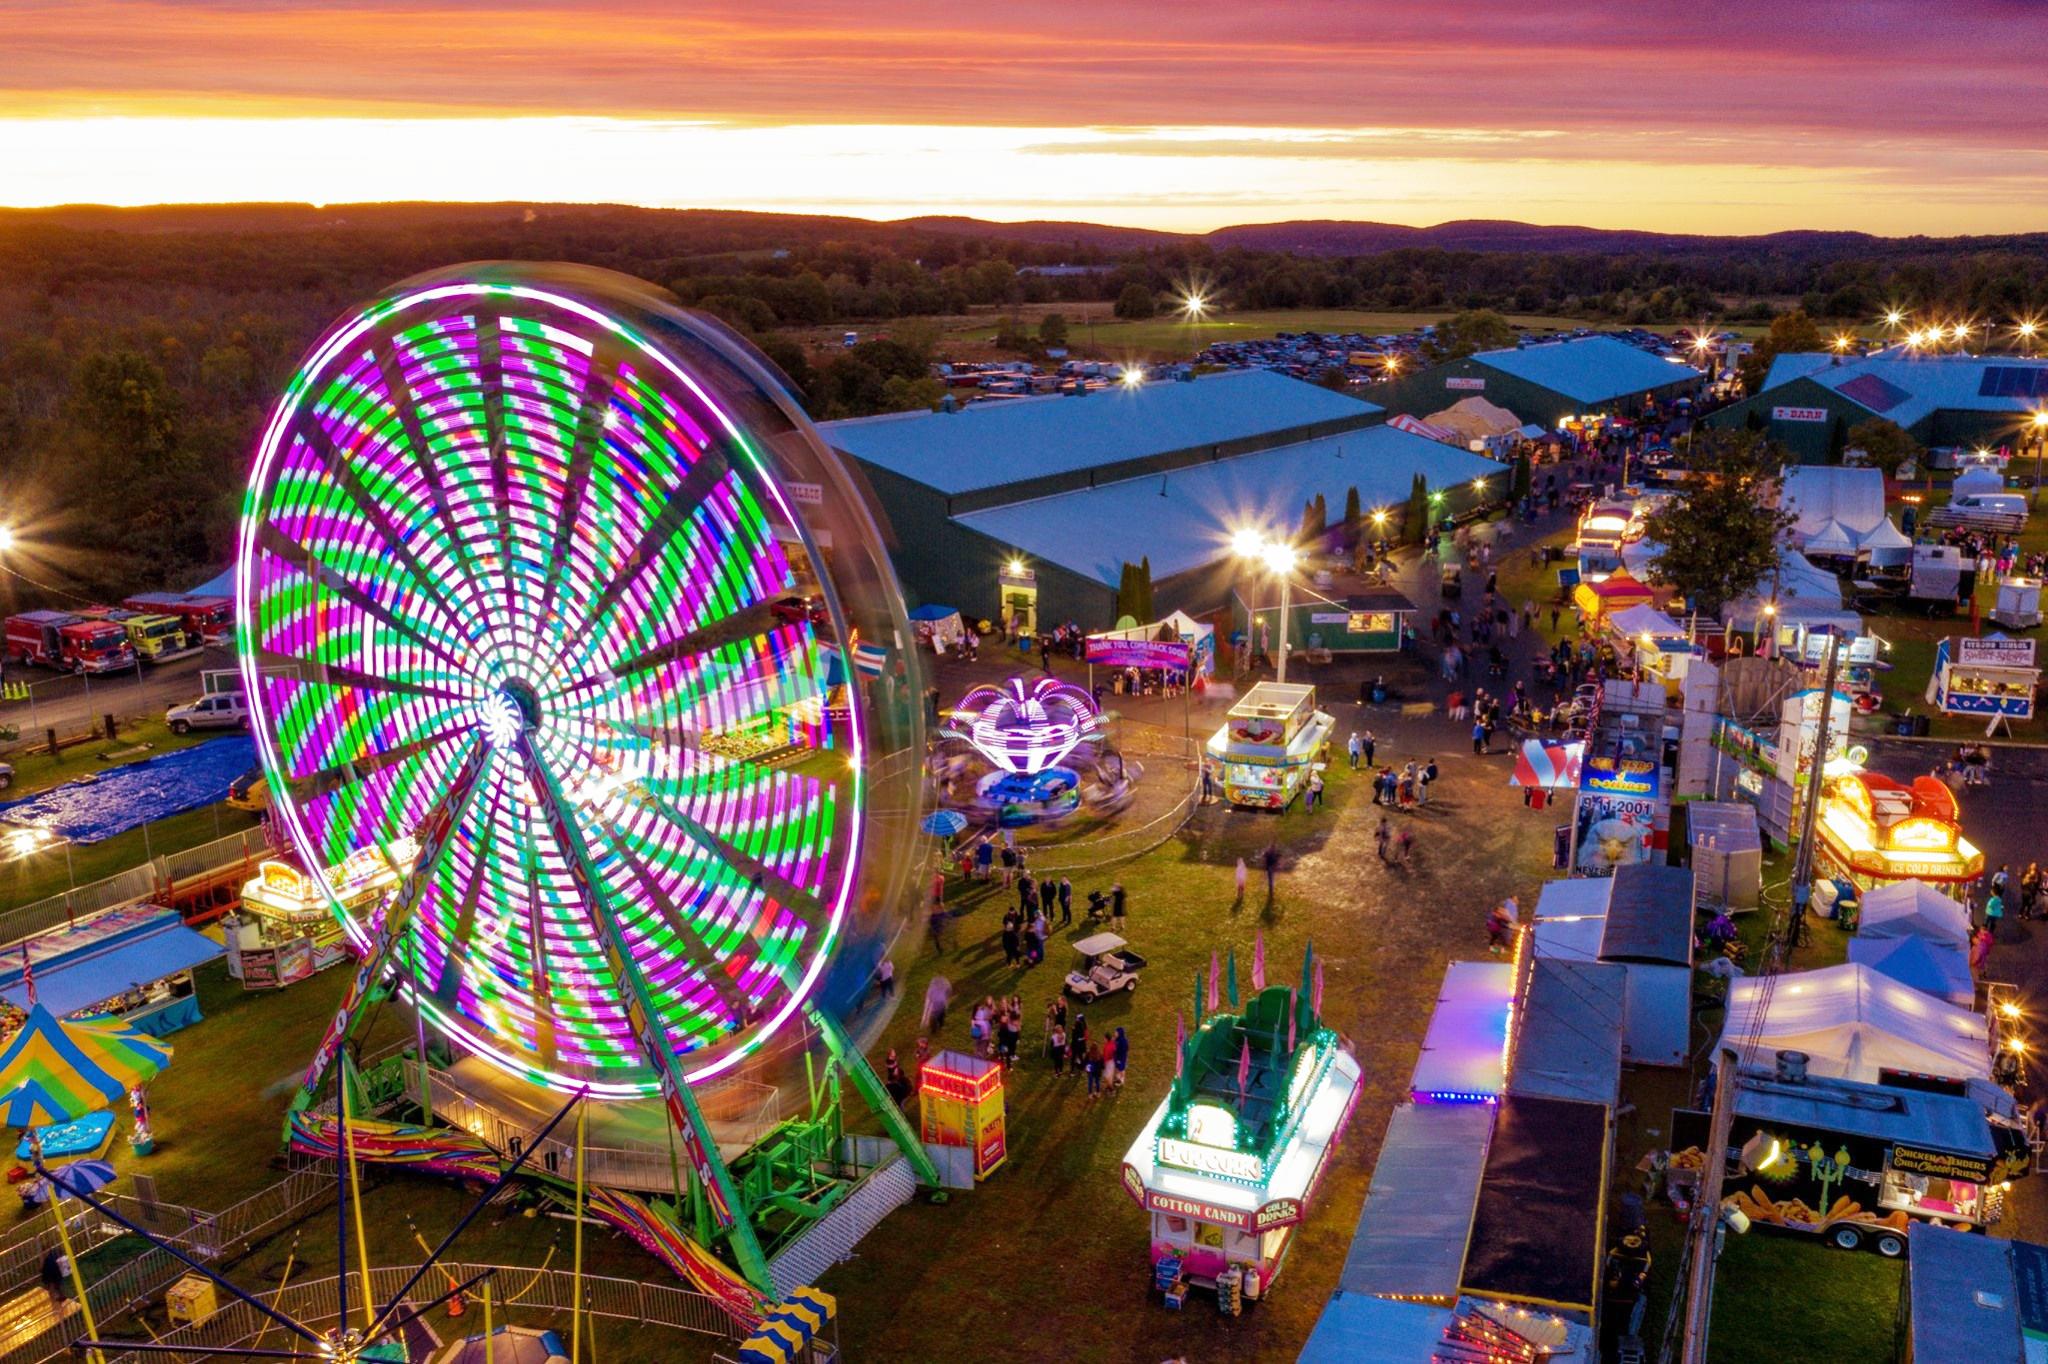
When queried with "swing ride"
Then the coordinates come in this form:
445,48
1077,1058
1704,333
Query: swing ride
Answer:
528,605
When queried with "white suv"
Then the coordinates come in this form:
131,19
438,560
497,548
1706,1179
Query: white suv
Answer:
225,710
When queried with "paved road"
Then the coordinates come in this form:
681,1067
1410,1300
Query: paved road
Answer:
69,704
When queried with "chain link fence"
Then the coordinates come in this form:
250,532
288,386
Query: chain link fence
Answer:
137,883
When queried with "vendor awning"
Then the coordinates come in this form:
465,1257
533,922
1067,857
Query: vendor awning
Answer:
1464,1052
1568,1039
1536,1235
789,1328
1637,621
81,980
1853,1023
1418,1215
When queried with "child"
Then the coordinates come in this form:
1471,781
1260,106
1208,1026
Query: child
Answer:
1056,1044
1094,1063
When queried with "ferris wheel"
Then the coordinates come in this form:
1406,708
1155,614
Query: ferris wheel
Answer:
526,607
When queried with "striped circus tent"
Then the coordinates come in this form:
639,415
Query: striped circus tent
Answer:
789,1326
52,1071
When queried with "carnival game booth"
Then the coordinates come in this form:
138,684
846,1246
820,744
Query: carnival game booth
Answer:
286,930
1177,643
1640,921
1541,1213
1856,1162
938,628
134,964
1993,677
1417,1218
1465,1051
1233,1160
1875,831
1268,744
1616,592
1568,1031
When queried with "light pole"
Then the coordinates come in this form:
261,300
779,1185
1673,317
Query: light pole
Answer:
2040,425
1279,559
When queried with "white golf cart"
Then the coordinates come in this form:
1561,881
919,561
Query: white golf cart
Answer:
1106,966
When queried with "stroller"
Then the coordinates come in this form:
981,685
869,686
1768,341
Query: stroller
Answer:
1098,906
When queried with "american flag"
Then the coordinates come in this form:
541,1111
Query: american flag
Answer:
28,975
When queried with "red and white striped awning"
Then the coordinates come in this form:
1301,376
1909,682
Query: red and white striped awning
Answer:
1417,427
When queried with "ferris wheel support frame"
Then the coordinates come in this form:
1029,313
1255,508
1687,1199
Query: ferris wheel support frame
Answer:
385,936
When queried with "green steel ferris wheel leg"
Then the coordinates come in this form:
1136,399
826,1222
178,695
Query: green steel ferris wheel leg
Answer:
871,1088
732,1217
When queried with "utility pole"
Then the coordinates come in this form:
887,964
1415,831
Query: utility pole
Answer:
1802,865
1701,1233
1286,609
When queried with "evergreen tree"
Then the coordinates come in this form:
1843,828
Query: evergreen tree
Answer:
1352,512
1518,486
1141,582
1415,520
1127,590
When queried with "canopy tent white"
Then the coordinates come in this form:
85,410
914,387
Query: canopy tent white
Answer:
1803,593
1932,968
1852,1022
1415,426
1637,621
1888,546
1914,909
1976,479
1475,419
1829,538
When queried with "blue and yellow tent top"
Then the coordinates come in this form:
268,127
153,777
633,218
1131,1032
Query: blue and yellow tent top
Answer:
788,1327
52,1071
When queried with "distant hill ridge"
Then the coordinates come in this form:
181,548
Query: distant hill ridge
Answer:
1307,237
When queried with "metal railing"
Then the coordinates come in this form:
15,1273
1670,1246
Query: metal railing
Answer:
203,1236
137,883
522,1292
747,1106
1084,854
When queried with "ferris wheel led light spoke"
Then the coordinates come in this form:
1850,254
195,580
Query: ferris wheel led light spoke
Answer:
499,518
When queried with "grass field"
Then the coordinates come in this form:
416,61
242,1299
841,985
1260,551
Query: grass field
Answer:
53,870
1788,1297
1177,338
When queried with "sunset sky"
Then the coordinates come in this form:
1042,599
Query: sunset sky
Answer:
1893,116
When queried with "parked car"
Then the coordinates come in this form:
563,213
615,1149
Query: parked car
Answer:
6,775
223,710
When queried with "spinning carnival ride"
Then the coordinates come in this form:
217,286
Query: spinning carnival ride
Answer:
521,554
1033,733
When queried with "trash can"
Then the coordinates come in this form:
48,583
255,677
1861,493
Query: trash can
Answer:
1919,726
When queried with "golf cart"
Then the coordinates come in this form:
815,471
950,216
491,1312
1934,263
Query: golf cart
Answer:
1106,966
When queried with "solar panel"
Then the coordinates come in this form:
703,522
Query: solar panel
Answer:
2013,381
1873,392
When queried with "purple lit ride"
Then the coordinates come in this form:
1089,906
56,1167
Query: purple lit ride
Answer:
1042,741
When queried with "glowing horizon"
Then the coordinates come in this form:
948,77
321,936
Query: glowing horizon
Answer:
1751,117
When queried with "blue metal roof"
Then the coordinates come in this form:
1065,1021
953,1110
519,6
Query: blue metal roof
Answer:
1794,364
101,975
1588,369
989,444
1906,388
1184,519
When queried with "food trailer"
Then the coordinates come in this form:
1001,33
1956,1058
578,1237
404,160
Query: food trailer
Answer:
1874,831
134,963
1231,1163
285,929
1994,677
1268,744
1857,1162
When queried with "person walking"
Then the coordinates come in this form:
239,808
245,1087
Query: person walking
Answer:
1116,906
1315,790
1270,858
1980,950
1423,780
1380,837
1077,1043
1012,947
1499,923
1119,1056
895,1081
1478,738
1994,912
1367,743
984,857
2030,890
1240,880
1056,1048
1066,902
1355,747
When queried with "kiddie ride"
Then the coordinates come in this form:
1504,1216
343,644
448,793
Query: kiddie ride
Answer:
1035,751
511,556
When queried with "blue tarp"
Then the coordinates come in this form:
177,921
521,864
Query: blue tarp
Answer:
929,612
86,981
123,797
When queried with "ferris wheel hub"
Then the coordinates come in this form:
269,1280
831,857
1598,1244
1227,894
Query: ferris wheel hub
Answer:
508,713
